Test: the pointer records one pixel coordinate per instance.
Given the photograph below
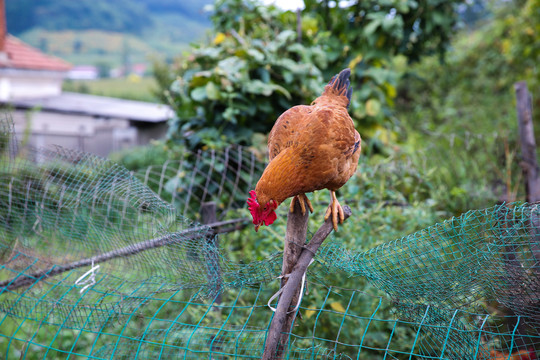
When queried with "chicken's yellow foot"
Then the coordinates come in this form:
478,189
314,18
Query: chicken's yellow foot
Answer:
335,210
302,200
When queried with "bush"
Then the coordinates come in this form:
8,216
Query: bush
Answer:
232,90
256,67
459,117
238,84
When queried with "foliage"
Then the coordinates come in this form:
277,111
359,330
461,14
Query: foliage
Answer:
459,117
140,158
257,66
237,85
487,61
520,44
376,39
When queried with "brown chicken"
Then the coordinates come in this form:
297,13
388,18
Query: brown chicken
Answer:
310,148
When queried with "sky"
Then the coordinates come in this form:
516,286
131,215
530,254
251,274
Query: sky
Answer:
295,4
286,4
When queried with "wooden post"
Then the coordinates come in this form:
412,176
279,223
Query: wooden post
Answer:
299,25
529,163
295,239
209,216
528,143
528,296
208,212
274,348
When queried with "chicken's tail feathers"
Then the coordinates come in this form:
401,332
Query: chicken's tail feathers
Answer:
340,85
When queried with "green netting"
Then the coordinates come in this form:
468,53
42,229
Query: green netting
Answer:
165,289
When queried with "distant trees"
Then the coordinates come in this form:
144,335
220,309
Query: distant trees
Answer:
132,16
119,15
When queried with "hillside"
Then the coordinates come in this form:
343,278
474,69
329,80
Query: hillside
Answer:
129,16
108,34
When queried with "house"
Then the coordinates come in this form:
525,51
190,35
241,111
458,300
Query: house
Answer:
83,72
31,90
25,72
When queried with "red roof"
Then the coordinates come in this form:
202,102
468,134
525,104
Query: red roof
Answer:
23,56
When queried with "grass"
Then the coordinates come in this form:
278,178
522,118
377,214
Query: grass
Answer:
132,87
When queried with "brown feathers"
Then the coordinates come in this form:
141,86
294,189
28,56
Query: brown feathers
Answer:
312,147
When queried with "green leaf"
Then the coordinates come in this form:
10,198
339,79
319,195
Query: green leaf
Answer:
258,87
256,55
372,26
232,66
282,90
177,87
212,91
198,94
373,107
285,36
380,75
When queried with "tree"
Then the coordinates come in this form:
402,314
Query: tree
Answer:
236,85
256,67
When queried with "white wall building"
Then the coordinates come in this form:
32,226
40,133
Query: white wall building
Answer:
25,72
31,91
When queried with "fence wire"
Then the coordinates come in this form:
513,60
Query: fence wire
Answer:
165,290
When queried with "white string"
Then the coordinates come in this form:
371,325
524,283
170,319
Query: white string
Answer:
281,290
91,280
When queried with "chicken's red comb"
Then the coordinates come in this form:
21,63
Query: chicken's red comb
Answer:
253,206
252,201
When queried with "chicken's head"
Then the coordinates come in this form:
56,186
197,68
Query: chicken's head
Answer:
264,214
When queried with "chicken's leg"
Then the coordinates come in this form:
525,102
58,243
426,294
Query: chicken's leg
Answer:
335,210
302,200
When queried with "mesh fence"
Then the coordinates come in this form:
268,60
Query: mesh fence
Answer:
467,288
221,177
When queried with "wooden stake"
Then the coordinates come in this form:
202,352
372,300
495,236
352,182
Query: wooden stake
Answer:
295,239
209,216
528,143
299,25
274,348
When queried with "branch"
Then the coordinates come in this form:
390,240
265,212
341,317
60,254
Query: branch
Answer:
132,249
276,327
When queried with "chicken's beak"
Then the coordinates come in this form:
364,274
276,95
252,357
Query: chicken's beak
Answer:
257,227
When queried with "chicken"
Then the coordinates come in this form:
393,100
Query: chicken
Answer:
310,148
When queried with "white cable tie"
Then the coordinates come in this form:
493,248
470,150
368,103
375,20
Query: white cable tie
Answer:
301,290
272,298
88,278
281,290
